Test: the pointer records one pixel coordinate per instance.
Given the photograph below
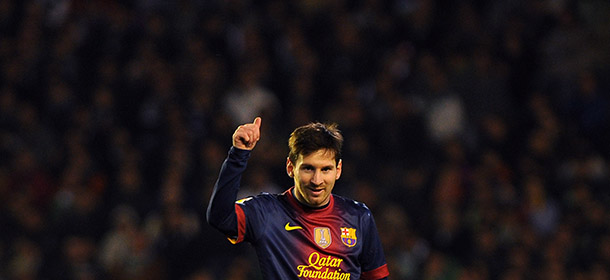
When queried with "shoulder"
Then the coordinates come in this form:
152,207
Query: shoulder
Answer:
353,206
265,201
261,198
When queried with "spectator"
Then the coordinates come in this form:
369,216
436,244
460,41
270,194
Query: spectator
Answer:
480,123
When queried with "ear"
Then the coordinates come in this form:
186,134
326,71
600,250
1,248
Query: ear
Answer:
339,168
289,168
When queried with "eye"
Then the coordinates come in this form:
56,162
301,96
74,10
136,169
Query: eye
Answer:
307,168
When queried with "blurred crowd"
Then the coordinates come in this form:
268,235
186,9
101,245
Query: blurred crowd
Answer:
478,132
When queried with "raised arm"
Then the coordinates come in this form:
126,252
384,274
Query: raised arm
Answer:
221,210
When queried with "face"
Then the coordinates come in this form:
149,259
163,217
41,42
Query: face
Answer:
314,177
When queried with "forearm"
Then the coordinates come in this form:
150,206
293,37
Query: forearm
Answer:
221,209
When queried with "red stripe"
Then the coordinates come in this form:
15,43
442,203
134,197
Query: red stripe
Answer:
377,273
241,225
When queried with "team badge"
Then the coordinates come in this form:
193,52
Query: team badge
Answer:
322,237
348,236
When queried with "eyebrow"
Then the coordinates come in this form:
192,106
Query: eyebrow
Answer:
311,165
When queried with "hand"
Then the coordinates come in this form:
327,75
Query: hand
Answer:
247,135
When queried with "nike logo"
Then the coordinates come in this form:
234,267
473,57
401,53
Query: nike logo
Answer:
288,227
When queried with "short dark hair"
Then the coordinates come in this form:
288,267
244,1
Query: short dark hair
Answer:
312,137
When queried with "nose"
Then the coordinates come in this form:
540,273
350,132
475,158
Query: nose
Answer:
317,178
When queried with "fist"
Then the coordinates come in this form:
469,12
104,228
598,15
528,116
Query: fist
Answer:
247,135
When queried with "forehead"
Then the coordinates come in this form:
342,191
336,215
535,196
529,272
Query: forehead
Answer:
319,157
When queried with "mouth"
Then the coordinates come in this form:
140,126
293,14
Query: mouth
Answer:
316,191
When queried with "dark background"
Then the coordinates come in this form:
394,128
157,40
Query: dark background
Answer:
476,131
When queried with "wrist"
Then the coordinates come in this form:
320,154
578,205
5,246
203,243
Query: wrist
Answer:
239,153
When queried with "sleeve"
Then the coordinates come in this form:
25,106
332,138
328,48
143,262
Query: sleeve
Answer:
223,212
373,261
252,214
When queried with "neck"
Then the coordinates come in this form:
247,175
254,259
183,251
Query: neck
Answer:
303,203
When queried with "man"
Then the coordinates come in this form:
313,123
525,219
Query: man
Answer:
306,232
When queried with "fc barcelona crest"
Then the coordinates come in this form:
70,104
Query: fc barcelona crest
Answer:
348,236
322,236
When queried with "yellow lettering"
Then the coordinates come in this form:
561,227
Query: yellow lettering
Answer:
301,269
314,258
323,261
316,268
336,262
